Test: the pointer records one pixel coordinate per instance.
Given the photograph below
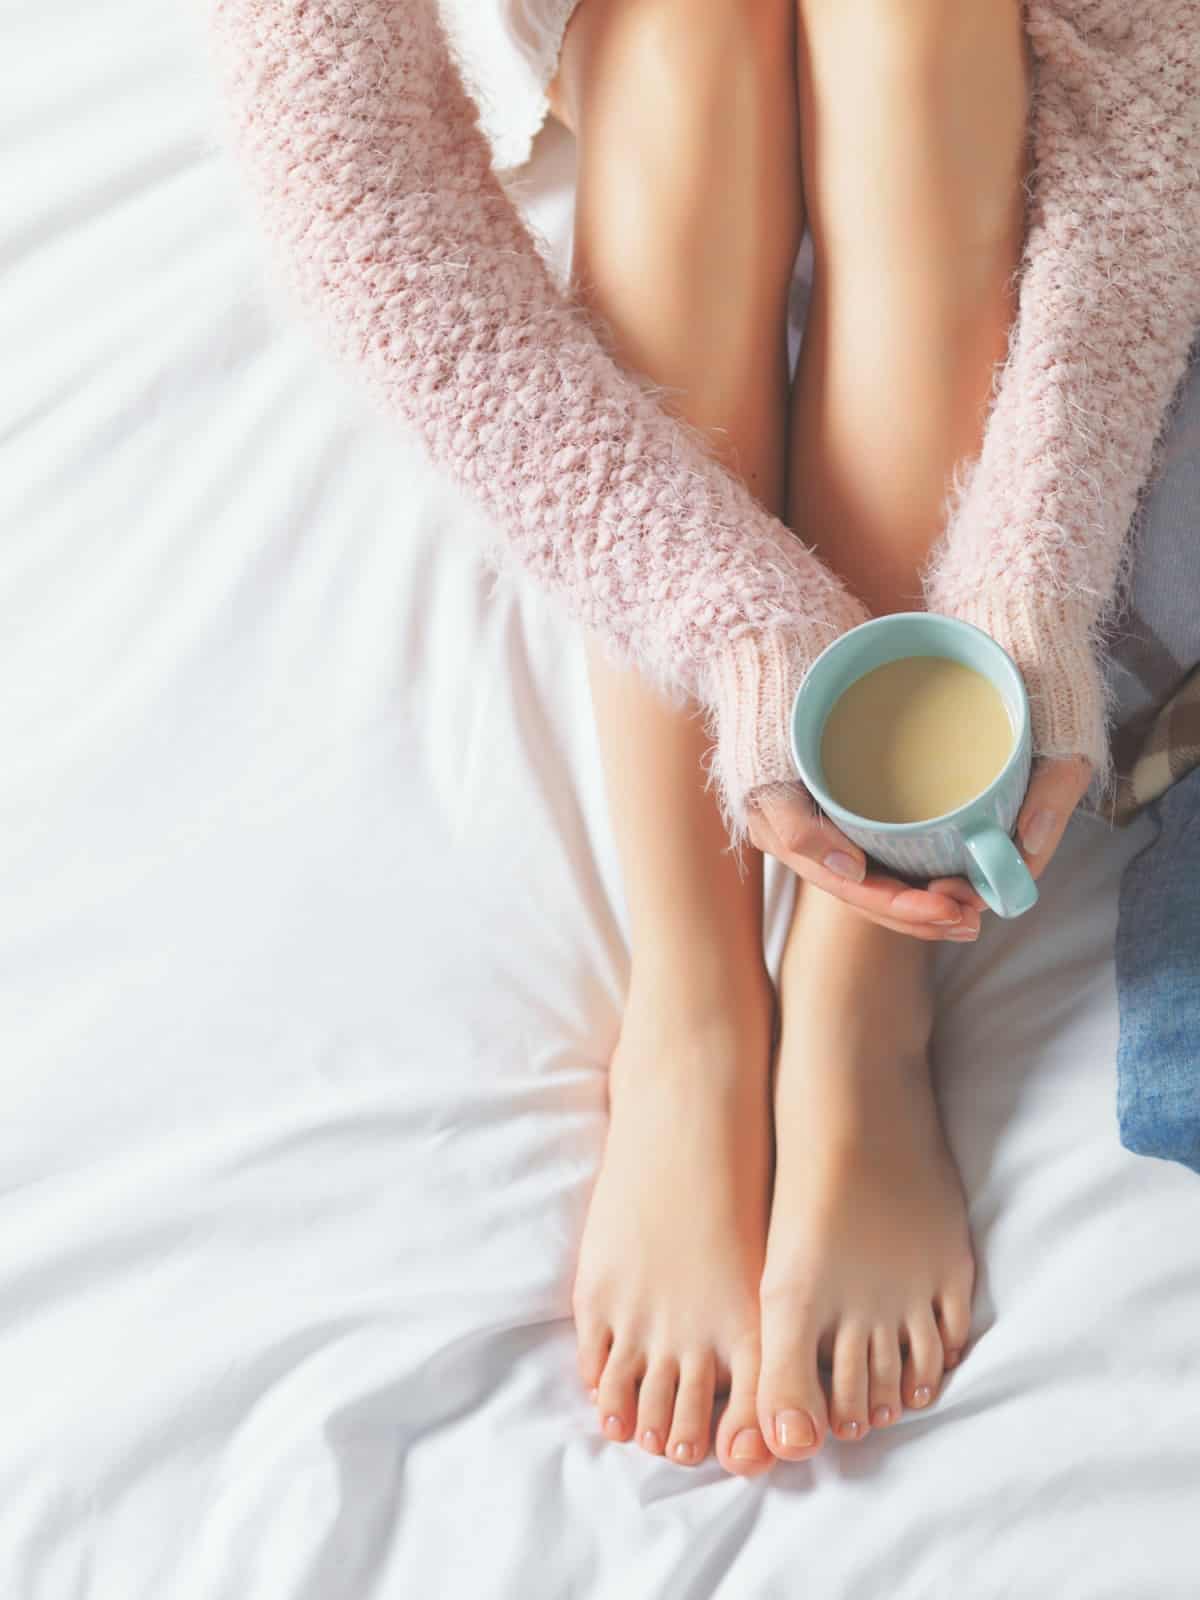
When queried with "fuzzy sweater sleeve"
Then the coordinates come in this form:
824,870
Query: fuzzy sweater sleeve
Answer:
371,173
1109,306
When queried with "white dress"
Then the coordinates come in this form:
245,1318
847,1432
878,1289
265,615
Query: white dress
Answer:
508,51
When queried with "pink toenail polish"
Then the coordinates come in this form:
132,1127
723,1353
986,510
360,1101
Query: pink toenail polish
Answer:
953,1357
850,1430
881,1416
593,1395
684,1452
747,1446
651,1442
922,1395
613,1428
795,1430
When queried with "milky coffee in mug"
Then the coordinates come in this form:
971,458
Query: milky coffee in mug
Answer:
915,739
922,719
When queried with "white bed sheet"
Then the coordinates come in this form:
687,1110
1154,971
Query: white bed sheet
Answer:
311,955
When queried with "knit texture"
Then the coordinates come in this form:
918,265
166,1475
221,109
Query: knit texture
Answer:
375,182
1036,549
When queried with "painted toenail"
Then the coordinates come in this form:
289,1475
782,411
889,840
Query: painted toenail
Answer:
593,1395
613,1428
795,1430
747,1445
953,1357
850,1430
881,1416
651,1442
922,1395
684,1452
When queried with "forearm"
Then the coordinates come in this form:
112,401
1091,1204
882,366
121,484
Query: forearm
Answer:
1109,306
374,179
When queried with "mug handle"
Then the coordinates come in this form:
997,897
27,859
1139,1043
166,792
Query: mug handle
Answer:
997,871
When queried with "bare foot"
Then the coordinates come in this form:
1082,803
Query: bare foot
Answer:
869,1266
666,1295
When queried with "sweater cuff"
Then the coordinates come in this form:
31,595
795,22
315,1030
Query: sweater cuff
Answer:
1050,640
752,682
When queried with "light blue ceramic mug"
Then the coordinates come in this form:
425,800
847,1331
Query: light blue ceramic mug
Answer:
975,840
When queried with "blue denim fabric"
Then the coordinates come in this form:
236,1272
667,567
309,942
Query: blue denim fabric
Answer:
1158,985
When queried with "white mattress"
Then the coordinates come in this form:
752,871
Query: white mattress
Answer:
311,955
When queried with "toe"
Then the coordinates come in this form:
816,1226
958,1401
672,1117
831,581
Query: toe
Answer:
848,1388
593,1342
791,1402
884,1362
741,1447
955,1319
692,1423
615,1404
923,1368
656,1402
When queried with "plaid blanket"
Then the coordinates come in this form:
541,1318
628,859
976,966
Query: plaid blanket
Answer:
1154,671
1150,761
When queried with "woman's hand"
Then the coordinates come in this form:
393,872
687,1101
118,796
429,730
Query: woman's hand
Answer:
1055,789
785,823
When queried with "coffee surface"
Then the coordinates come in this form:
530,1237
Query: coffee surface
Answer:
914,739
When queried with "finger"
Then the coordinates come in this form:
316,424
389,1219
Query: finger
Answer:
891,901
1054,792
788,825
877,910
923,933
958,889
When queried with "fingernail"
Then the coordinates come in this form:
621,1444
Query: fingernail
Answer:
964,935
948,922
651,1442
922,1395
1038,831
881,1416
747,1445
795,1430
845,866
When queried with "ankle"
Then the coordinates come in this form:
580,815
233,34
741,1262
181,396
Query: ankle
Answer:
714,1029
694,984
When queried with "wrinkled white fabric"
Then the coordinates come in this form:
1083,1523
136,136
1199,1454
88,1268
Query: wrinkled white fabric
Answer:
509,49
311,958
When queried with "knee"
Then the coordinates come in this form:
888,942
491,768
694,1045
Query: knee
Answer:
924,32
668,47
679,45
717,17
915,18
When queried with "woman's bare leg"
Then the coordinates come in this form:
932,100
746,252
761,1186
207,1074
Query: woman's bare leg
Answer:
688,217
913,116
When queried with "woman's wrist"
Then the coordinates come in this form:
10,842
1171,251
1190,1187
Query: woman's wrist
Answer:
752,682
1049,638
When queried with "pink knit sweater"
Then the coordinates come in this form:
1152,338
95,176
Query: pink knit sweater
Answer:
376,184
